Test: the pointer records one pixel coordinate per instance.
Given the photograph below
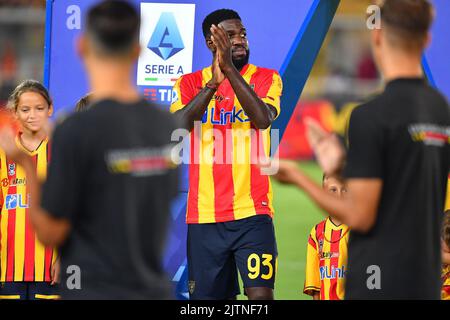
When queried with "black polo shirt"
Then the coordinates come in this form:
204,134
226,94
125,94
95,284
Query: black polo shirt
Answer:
109,175
402,138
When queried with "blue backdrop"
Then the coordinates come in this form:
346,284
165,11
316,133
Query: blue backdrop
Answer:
436,62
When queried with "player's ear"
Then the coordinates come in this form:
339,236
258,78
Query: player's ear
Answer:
210,44
136,52
376,37
50,110
81,46
428,39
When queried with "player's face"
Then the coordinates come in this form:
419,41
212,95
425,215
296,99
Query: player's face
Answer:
33,111
335,187
240,51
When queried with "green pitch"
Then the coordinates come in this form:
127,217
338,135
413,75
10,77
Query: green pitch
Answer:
295,215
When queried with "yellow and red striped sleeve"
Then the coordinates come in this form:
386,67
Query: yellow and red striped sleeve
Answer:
185,89
269,87
312,277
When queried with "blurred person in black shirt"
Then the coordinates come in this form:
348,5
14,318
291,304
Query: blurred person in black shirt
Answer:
396,167
110,180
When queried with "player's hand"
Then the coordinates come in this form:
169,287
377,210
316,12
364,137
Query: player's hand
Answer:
223,47
55,272
328,149
8,144
288,172
217,74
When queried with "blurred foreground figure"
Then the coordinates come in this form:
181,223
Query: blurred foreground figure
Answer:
106,200
396,167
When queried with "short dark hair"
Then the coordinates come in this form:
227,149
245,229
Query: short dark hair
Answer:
83,103
113,25
217,17
408,21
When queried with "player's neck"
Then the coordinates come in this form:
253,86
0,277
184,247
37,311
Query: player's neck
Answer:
31,140
401,65
113,81
336,222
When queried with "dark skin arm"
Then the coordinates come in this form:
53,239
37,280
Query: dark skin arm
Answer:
195,109
260,114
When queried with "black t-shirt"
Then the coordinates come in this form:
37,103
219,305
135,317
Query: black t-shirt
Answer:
110,176
401,137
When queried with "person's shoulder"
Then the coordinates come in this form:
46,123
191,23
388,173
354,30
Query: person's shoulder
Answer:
368,110
193,75
439,98
264,71
156,114
318,227
70,123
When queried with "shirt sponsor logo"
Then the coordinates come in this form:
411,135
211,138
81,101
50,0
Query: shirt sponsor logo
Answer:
430,134
14,201
140,162
18,182
328,255
11,169
326,273
225,117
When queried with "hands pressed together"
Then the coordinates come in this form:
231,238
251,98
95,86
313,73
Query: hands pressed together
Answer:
222,61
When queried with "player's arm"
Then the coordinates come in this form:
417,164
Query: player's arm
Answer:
312,275
357,210
195,109
260,113
363,169
197,106
49,230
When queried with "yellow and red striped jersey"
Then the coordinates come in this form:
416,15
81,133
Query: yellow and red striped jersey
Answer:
326,261
22,256
225,182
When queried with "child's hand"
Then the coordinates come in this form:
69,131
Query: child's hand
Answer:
287,172
8,144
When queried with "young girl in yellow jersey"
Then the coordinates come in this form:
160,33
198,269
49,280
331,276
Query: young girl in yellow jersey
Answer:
28,269
326,262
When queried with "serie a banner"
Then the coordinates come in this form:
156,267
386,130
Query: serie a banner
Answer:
285,35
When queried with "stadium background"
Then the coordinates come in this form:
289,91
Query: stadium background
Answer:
333,88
